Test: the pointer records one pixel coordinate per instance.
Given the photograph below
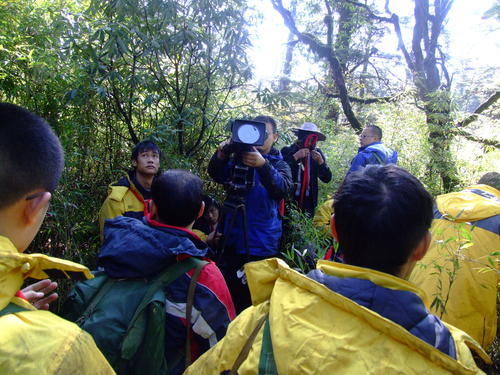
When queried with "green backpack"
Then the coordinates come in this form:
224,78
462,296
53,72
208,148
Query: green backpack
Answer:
126,317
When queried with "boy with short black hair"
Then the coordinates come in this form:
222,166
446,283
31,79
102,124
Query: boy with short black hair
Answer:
144,248
127,196
357,318
34,341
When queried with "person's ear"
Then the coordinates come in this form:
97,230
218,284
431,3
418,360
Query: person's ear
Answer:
422,247
333,228
275,137
201,210
36,207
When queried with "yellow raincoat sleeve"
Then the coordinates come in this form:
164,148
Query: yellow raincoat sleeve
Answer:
200,234
322,217
113,206
39,342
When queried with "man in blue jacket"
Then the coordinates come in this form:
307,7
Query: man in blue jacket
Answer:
272,181
372,151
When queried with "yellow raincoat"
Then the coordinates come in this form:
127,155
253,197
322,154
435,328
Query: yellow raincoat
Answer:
464,240
122,198
322,217
317,331
37,342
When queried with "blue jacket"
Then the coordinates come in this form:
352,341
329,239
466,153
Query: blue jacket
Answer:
133,248
374,153
272,183
400,306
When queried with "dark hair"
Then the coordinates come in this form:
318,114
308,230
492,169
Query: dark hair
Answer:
145,146
268,119
209,202
31,156
381,214
377,132
178,195
491,179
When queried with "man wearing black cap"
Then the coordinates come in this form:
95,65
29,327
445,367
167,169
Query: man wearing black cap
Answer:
307,163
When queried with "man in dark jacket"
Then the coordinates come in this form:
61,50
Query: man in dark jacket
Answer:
372,151
270,185
142,248
307,163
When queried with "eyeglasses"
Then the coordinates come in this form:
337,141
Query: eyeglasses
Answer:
362,136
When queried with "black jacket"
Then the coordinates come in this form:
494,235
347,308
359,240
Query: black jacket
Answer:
316,171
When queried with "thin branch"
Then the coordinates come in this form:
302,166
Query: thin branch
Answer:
369,11
383,99
401,43
482,107
470,137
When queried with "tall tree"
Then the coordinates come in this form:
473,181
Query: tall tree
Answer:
348,21
167,65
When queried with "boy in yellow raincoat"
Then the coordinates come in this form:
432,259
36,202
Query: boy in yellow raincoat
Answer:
362,317
460,271
34,341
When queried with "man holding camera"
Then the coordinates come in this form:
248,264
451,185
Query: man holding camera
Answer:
307,163
252,226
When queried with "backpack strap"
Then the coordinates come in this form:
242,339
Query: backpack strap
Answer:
267,364
130,344
247,346
189,307
12,308
108,284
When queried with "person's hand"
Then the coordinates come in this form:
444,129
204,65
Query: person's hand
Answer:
220,150
317,157
253,159
301,154
39,294
213,239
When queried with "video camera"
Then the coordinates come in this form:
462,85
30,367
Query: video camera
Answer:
245,134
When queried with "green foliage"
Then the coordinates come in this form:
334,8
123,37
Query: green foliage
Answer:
303,243
453,254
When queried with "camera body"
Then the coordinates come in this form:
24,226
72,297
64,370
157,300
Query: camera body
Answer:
245,134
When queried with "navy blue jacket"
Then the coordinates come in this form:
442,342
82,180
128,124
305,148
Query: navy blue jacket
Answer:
374,153
134,249
400,306
272,183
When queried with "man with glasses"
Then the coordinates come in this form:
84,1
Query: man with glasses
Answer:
371,150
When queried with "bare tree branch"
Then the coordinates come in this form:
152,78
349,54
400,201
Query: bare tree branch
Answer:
482,107
369,11
323,51
471,137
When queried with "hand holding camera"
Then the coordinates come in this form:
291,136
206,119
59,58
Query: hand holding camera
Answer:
253,158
